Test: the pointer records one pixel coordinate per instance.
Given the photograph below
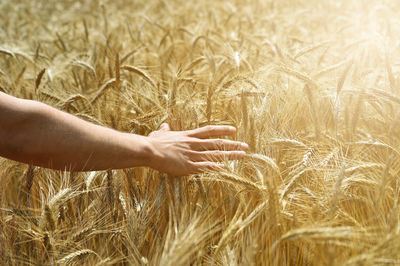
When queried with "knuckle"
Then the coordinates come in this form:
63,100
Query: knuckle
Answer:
208,166
219,154
192,154
211,128
189,133
220,143
191,165
193,142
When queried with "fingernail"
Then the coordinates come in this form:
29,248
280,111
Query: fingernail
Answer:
244,146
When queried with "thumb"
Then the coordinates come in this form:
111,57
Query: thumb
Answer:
164,127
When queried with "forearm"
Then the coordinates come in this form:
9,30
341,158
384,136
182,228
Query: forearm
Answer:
50,138
37,134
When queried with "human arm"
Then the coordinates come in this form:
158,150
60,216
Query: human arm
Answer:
37,134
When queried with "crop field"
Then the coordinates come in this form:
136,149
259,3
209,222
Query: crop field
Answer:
313,86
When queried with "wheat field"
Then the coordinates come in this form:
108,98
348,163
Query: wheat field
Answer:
313,86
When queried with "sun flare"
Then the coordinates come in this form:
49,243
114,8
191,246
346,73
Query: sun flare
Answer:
313,86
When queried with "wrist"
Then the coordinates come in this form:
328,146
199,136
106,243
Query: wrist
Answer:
149,151
152,155
138,151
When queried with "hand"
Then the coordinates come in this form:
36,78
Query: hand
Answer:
188,152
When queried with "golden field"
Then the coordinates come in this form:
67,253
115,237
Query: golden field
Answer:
313,87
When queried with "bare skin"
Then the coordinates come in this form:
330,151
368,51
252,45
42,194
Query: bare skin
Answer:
34,133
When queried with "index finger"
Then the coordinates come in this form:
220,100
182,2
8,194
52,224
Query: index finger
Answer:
211,131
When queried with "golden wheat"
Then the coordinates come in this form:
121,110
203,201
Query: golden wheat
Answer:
311,85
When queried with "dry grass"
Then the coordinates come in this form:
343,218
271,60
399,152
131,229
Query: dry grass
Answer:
312,86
